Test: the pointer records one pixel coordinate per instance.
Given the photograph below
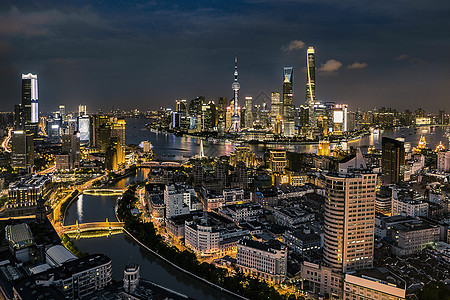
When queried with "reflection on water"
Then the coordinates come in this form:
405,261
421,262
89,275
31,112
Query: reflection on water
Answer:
80,208
90,208
171,147
123,250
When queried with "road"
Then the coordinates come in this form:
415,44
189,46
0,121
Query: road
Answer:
5,143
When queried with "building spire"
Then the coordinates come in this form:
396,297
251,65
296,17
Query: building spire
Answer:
235,118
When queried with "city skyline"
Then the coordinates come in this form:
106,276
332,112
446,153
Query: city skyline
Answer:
145,55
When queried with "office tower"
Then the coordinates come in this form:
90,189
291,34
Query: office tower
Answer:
392,161
249,112
208,120
197,173
235,118
441,117
82,110
70,145
349,220
22,154
276,108
288,102
195,107
181,106
221,114
340,118
114,155
30,109
62,112
95,122
240,175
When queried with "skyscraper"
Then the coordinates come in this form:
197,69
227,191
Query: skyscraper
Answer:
81,110
22,154
235,118
30,109
349,220
392,160
310,76
288,102
249,112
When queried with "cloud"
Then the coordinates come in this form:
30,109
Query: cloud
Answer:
357,65
30,24
330,67
293,45
402,57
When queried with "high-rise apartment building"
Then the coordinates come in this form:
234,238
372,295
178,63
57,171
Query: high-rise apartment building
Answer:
392,160
349,220
288,102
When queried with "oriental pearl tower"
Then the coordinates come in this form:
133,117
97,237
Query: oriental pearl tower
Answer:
235,119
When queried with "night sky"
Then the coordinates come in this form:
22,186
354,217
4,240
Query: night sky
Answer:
145,54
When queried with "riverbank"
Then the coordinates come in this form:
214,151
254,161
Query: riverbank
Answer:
236,139
238,284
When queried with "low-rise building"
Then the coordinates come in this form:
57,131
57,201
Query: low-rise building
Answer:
242,212
24,195
20,239
75,279
212,234
408,203
372,284
266,260
301,240
412,237
291,217
177,199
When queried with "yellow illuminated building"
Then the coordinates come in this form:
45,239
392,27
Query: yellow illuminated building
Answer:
323,148
440,147
422,145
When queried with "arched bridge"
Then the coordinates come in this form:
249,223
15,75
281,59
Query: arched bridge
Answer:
104,192
78,228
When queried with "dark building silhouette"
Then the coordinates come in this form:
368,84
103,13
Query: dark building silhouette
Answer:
392,161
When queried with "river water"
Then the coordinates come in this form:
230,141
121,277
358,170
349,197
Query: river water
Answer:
171,147
122,249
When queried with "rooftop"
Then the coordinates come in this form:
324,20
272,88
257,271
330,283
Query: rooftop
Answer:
19,236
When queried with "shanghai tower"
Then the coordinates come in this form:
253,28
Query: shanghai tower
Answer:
311,77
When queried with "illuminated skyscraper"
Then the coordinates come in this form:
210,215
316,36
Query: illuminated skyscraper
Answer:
248,112
276,109
288,102
310,76
30,110
235,118
82,110
310,97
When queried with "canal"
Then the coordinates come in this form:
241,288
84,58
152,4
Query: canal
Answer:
122,249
